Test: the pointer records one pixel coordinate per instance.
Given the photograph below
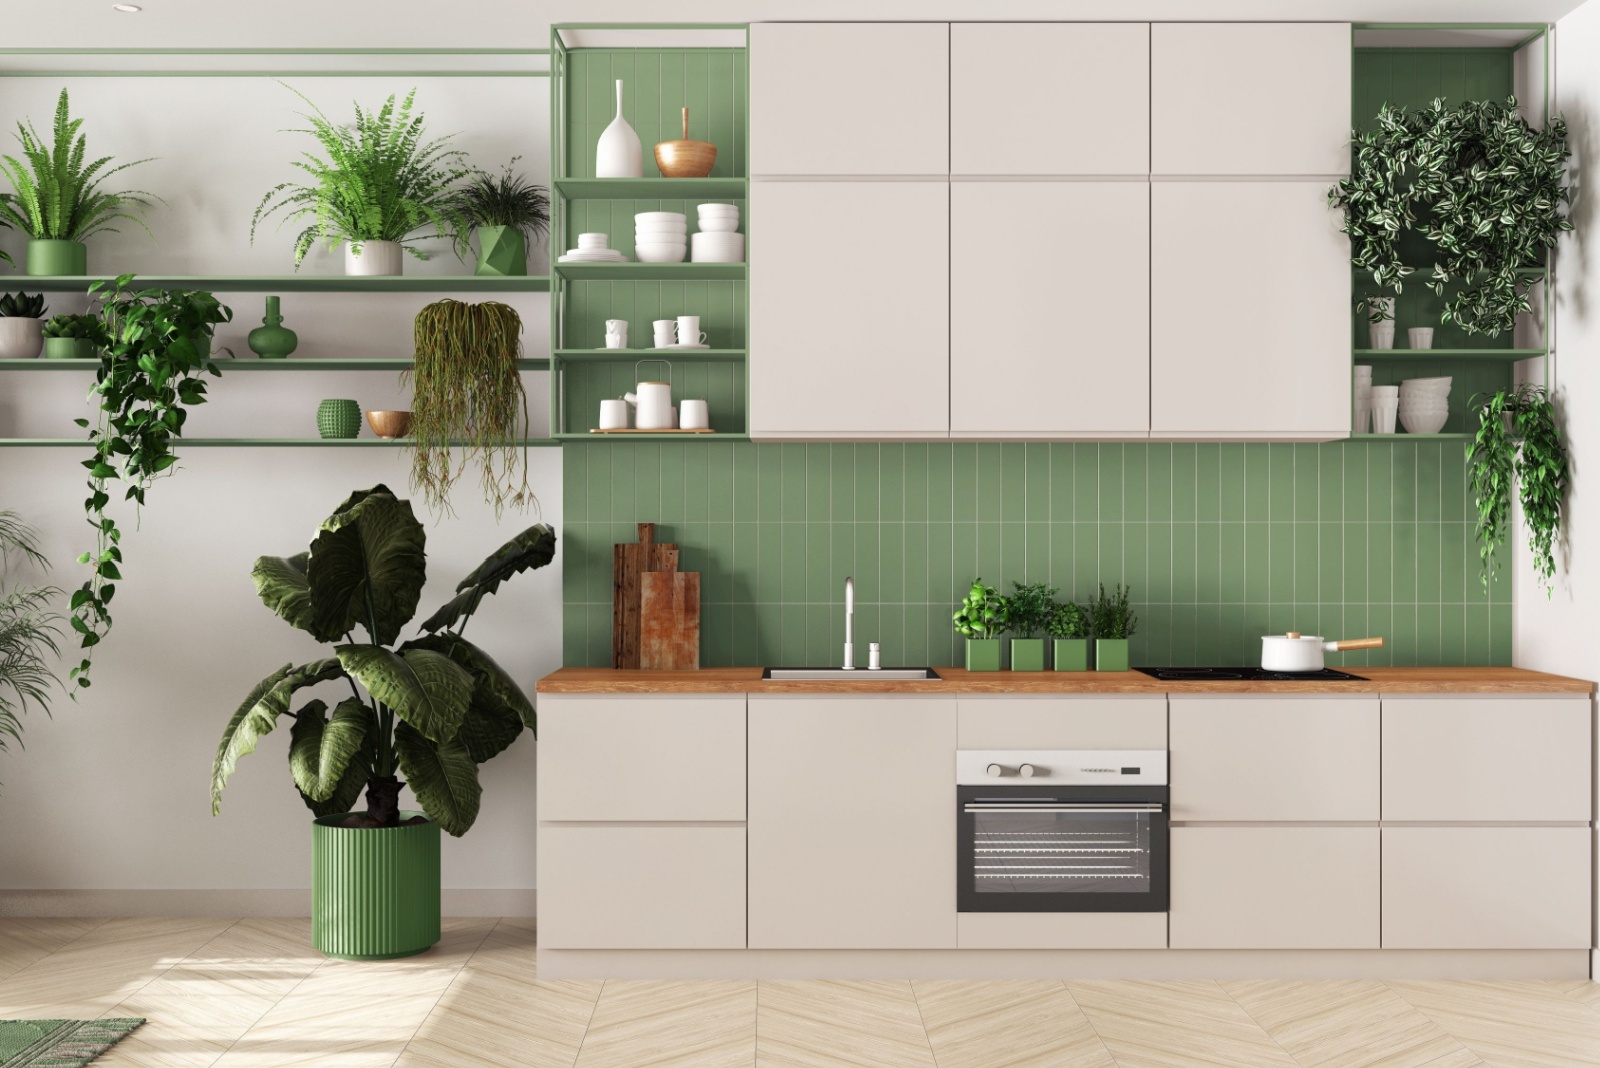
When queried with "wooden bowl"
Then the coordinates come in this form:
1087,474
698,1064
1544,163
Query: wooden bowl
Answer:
389,424
686,158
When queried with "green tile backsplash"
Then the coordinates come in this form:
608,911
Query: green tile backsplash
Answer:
1221,543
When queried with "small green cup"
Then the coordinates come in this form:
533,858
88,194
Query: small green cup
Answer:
339,419
1027,654
1111,654
1072,654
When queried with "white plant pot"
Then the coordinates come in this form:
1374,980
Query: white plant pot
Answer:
1381,335
375,258
21,339
618,153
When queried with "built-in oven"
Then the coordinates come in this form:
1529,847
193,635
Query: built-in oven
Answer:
1062,831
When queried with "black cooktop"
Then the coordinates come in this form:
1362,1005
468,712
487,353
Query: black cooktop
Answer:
1247,674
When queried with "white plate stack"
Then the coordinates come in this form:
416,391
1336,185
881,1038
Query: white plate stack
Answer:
1424,404
660,236
593,248
1363,407
719,240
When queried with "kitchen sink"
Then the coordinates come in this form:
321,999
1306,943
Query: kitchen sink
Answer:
921,674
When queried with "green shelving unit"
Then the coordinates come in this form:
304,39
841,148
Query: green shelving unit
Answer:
635,355
653,188
296,283
246,364
651,272
277,443
1413,355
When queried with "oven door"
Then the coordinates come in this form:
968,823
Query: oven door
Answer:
1061,849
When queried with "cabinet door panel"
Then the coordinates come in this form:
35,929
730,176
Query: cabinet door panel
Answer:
1027,722
1292,758
1486,888
850,345
1275,887
1050,309
1250,312
849,98
1050,98
852,823
1250,98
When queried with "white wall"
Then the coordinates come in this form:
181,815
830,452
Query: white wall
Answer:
112,791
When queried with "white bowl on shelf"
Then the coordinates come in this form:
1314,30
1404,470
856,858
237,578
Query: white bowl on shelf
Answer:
712,247
679,223
676,218
719,224
660,251
1422,422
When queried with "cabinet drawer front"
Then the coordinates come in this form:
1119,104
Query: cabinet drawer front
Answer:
641,887
1275,887
1062,722
1486,888
1481,759
1295,758
641,758
1062,930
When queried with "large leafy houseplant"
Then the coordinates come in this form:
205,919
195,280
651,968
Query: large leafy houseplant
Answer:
381,180
1518,441
157,346
1482,185
433,708
28,633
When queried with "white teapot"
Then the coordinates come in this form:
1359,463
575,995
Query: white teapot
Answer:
652,401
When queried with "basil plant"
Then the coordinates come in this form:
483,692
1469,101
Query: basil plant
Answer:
432,709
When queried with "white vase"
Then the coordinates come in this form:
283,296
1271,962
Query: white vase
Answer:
375,258
618,153
20,338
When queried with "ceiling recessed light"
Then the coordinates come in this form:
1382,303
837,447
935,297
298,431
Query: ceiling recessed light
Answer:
127,9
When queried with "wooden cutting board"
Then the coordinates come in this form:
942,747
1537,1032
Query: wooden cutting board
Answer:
628,562
669,620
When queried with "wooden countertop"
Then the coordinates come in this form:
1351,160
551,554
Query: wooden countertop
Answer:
959,680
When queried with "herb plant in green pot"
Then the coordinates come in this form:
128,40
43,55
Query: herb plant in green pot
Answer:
1028,612
981,619
21,325
1069,632
506,211
431,709
1114,623
74,337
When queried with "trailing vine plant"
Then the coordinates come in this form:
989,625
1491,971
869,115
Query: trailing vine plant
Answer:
1518,441
1479,182
467,390
151,371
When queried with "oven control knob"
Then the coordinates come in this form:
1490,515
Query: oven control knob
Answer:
1026,771
995,771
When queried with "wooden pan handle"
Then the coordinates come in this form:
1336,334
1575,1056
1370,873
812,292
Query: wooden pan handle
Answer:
1359,643
686,124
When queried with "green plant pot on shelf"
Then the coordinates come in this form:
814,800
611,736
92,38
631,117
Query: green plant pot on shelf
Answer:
374,890
68,348
57,257
502,252
1027,654
1071,654
1111,654
983,654
337,418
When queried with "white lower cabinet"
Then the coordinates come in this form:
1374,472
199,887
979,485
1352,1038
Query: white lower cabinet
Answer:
1275,888
1486,888
852,821
641,887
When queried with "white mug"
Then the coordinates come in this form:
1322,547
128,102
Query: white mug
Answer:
689,332
614,414
616,333
665,330
694,415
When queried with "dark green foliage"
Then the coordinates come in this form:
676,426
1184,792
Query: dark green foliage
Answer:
1067,620
1518,440
22,306
506,199
91,327
982,613
1029,608
28,633
1111,615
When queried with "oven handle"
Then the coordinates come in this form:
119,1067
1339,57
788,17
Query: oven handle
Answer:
1087,806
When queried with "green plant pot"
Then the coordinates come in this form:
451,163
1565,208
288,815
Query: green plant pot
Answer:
1111,654
1027,654
374,891
339,419
502,250
983,654
68,348
57,257
1071,654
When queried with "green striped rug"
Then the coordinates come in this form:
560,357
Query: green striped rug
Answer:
59,1043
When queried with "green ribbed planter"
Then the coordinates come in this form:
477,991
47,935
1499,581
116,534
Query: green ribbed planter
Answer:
374,891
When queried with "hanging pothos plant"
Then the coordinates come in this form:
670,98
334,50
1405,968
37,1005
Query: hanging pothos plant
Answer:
150,372
1517,440
1479,182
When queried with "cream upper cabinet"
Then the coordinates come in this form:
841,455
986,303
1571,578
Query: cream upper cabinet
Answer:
860,98
1243,99
1049,334
1054,98
849,320
1250,312
852,827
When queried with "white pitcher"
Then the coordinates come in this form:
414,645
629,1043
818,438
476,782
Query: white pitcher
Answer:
652,401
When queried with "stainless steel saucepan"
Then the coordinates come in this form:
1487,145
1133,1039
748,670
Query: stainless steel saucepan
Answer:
1303,652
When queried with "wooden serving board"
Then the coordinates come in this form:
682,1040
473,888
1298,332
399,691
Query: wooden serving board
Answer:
629,561
669,620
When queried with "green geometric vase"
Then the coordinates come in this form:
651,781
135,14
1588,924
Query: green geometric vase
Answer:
502,250
339,419
374,890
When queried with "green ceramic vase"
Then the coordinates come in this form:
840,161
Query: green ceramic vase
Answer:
983,654
502,250
272,340
57,257
374,891
1111,654
1027,654
1071,654
339,418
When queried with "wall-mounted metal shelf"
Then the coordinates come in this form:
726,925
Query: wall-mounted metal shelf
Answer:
651,272
634,355
653,188
335,443
1399,355
680,438
294,283
247,364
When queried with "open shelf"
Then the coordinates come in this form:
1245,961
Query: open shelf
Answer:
634,355
248,364
652,188
1382,355
650,437
651,272
1402,436
295,283
336,443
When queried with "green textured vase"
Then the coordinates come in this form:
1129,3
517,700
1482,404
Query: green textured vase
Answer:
1072,654
338,418
272,340
983,654
1027,654
1111,654
57,257
68,348
374,891
502,250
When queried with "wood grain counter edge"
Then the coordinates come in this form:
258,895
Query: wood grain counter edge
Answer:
1387,680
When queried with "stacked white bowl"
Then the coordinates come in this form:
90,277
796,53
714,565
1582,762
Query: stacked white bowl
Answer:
660,236
719,240
1363,398
1385,400
1424,404
593,248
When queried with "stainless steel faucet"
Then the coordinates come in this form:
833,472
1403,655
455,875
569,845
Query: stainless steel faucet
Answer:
849,623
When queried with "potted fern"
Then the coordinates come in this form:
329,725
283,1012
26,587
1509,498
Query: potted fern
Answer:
1069,632
21,325
380,184
1028,613
1114,623
56,197
506,211
432,709
981,620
